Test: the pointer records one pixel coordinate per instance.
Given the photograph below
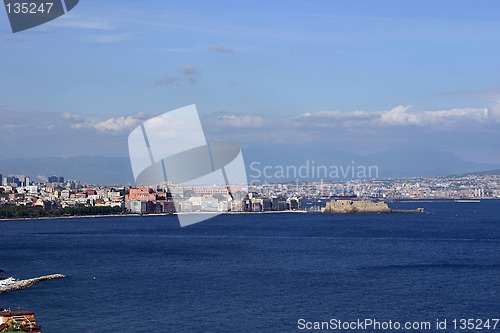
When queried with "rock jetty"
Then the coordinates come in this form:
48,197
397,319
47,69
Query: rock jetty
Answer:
11,284
362,207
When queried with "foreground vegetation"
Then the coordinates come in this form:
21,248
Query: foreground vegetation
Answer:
10,212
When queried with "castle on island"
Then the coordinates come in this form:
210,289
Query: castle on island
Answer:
362,207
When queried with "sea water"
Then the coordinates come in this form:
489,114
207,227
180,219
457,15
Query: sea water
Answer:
257,272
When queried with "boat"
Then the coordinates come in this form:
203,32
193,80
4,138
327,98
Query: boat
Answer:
467,200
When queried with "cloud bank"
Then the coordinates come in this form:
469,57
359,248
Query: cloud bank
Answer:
239,120
112,125
401,116
472,133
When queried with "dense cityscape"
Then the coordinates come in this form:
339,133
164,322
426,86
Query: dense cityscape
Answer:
22,197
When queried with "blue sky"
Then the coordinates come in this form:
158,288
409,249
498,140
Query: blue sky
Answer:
364,76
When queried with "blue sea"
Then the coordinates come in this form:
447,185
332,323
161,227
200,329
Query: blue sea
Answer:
257,272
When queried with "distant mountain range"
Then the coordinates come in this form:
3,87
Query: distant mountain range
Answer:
409,163
390,164
484,173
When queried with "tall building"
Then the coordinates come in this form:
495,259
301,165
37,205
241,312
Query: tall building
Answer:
56,179
12,181
1,179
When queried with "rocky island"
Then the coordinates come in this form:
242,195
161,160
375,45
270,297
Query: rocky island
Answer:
362,207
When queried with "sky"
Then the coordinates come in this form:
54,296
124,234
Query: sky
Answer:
362,76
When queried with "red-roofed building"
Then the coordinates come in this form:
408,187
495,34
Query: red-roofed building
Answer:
141,194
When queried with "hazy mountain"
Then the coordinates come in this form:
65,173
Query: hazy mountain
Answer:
425,163
390,164
117,170
484,173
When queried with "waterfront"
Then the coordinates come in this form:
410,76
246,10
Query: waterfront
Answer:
256,272
27,199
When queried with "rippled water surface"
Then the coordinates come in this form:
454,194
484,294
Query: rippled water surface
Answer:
258,272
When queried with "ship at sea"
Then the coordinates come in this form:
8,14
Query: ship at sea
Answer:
467,200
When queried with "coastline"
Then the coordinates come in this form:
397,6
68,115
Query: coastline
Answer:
143,215
393,200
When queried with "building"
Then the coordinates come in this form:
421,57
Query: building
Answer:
11,321
209,205
141,194
266,204
12,181
168,207
237,206
136,207
293,203
56,179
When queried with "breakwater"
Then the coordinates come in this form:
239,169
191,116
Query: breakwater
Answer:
12,284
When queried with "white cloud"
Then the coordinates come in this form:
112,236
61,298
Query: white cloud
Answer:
117,124
113,124
240,120
361,115
72,116
456,116
494,112
399,116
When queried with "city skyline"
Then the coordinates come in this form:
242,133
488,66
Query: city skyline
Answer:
350,76
57,197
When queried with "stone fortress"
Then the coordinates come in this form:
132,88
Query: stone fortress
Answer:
362,207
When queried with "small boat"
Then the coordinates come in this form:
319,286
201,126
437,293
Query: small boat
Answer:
467,200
